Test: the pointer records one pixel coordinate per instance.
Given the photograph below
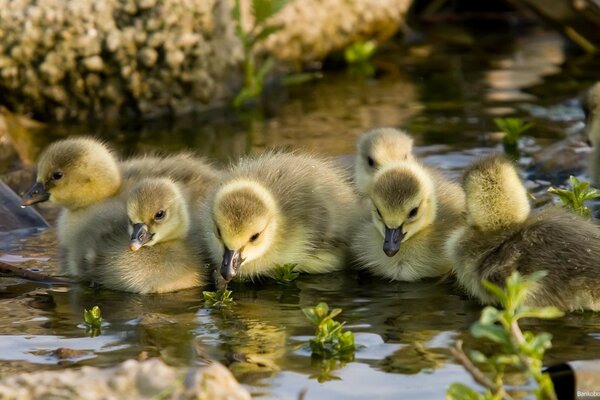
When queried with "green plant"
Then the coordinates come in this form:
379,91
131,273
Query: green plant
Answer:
255,70
216,299
360,52
575,197
513,128
523,351
330,341
358,56
285,273
93,320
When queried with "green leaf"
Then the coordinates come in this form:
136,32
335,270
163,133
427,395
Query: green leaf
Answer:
264,33
264,69
360,52
489,315
458,391
311,315
512,360
494,333
495,290
541,313
477,357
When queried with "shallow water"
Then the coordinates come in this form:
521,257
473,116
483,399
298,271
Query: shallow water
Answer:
447,97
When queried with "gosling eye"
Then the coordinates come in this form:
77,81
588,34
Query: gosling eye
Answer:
254,237
57,175
160,215
379,213
218,232
413,213
371,162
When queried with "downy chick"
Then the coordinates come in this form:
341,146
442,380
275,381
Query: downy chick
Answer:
378,148
591,107
280,208
413,211
81,173
161,254
502,236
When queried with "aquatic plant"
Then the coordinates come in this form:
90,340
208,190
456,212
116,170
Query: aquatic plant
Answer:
513,128
330,341
575,197
93,320
285,273
523,351
358,56
216,299
255,69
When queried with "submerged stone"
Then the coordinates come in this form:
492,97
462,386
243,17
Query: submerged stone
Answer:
129,380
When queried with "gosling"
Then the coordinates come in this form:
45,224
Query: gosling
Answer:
502,236
591,106
152,246
81,173
378,148
413,211
280,208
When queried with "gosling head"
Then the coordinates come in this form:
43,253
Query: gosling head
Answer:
496,198
403,203
74,173
591,108
245,218
157,212
377,148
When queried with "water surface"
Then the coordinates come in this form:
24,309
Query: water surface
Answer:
447,96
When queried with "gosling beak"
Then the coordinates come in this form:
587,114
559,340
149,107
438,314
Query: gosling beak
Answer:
391,243
139,237
231,264
36,194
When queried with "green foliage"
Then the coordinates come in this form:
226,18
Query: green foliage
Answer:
513,128
285,273
523,351
215,299
330,341
93,320
255,70
575,197
360,52
358,56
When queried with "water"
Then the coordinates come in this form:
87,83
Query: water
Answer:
447,96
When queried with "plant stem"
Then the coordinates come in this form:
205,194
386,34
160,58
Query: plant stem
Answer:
476,373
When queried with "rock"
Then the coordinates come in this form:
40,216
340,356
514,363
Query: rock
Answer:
558,161
48,48
13,216
314,28
130,380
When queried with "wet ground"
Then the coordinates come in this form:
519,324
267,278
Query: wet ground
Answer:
447,96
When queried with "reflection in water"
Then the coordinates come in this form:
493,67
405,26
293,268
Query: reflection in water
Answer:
447,97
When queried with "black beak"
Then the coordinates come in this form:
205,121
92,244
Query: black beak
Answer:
231,264
36,194
139,237
391,243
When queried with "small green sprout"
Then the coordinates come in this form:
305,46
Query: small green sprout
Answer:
214,299
523,351
93,320
255,70
575,197
330,339
360,52
358,57
513,128
285,274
